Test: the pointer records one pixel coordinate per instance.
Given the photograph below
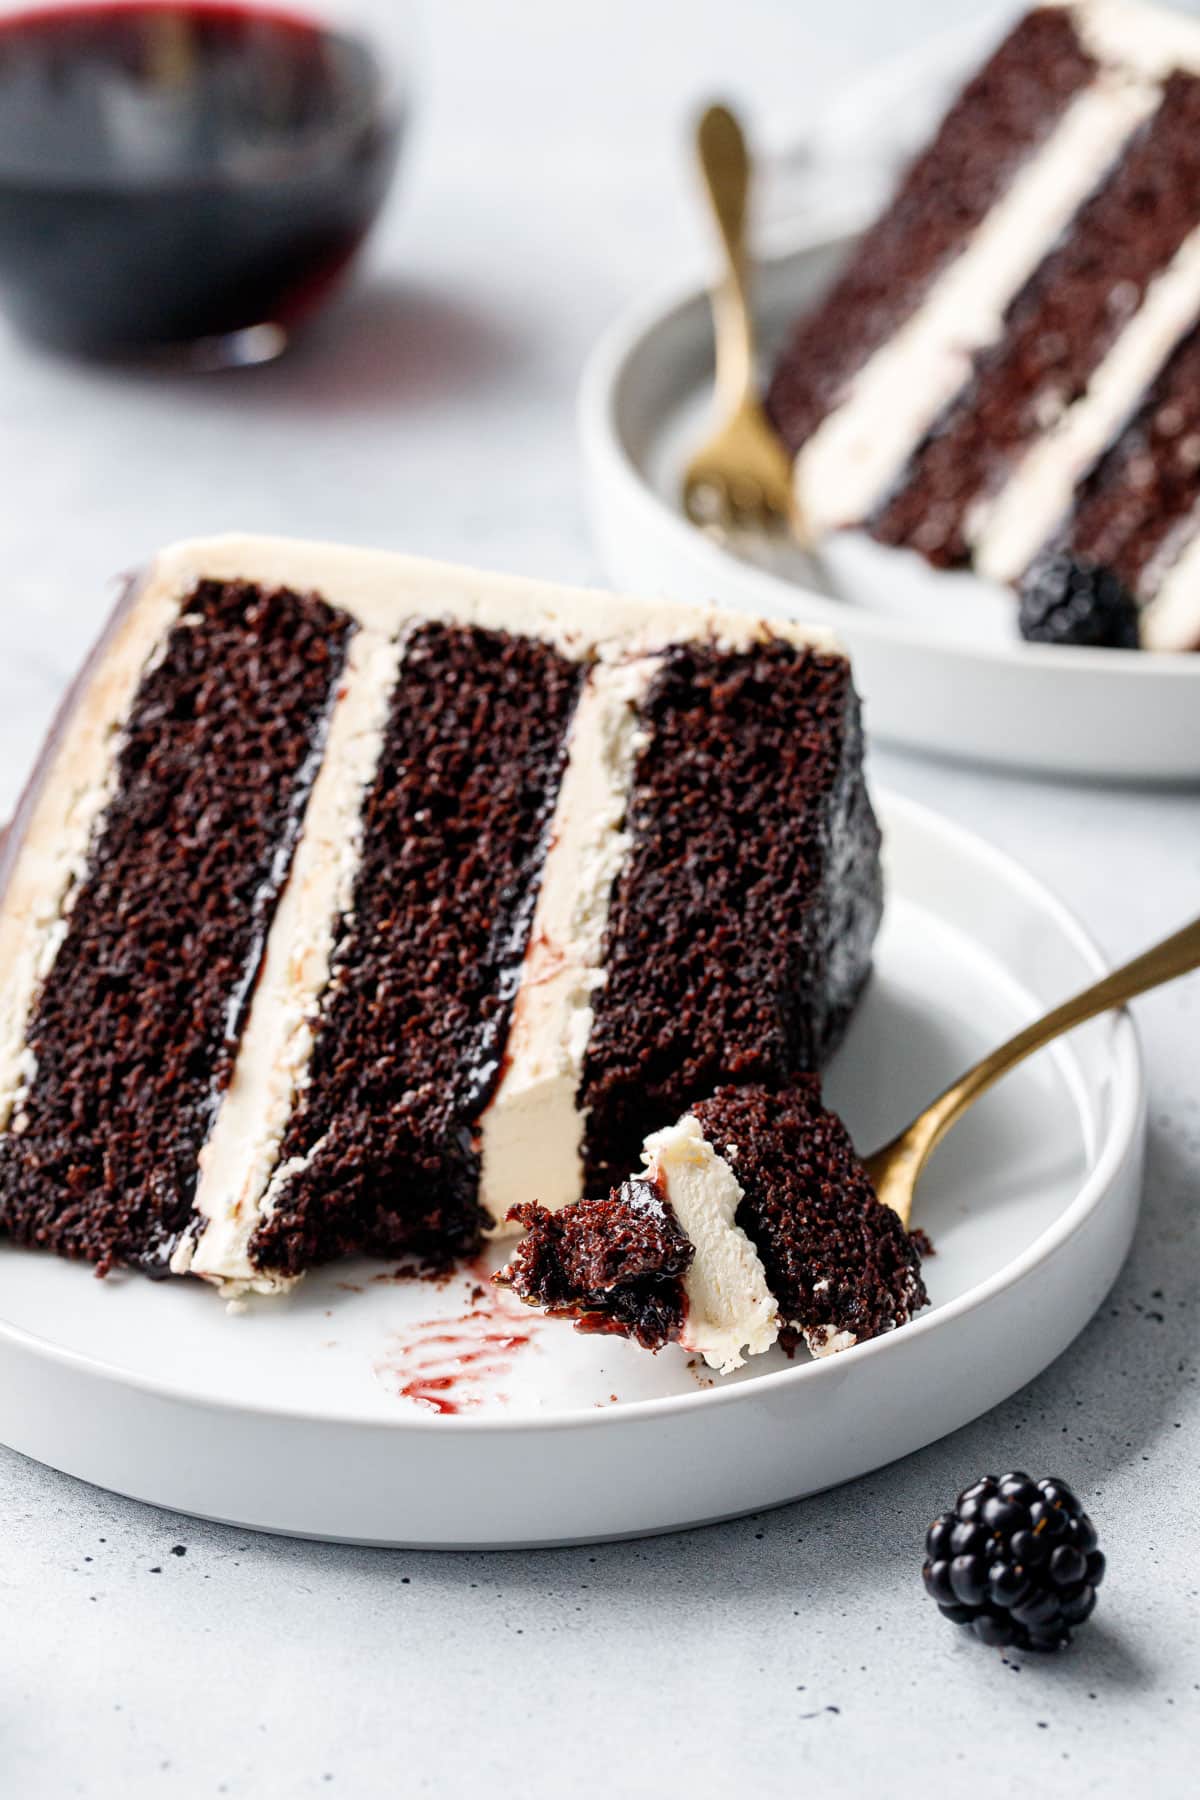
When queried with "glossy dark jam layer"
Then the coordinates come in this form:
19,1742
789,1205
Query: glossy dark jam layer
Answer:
741,925
136,1028
413,1030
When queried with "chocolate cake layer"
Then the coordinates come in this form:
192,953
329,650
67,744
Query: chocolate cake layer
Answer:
740,930
134,1030
1135,512
379,1154
840,1264
1005,113
1057,332
612,1265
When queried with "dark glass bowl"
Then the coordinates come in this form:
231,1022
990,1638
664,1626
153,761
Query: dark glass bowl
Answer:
187,179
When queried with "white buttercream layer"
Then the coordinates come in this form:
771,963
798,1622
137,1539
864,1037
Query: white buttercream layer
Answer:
383,592
1146,38
531,1135
56,842
271,1069
855,454
731,1312
1007,532
1171,618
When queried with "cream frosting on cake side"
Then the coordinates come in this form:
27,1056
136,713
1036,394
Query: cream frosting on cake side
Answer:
731,1313
66,811
1008,529
531,1134
854,455
1171,620
237,1162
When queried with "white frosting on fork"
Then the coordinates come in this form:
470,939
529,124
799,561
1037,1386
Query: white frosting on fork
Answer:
731,1312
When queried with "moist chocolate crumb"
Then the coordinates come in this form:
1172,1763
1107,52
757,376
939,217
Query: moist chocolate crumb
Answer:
612,1265
136,1027
836,1259
427,961
741,925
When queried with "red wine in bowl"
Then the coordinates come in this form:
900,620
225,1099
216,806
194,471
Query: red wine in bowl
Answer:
175,173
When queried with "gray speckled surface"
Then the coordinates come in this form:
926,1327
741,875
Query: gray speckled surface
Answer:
790,1652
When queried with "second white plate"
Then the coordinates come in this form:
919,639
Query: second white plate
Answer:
391,1412
936,657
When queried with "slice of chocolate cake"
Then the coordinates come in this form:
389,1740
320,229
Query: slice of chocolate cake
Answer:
1026,291
754,1221
355,898
1127,556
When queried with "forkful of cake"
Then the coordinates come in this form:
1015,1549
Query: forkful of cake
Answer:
754,1222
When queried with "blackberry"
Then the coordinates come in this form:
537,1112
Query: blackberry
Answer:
1065,601
1017,1561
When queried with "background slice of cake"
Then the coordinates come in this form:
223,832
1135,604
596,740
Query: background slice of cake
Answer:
1017,305
356,897
752,1222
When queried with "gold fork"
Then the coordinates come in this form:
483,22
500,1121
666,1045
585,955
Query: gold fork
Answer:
741,478
895,1169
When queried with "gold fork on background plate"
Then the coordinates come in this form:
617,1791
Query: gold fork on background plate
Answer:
740,479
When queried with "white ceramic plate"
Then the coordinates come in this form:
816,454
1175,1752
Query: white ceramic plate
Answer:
936,656
294,1416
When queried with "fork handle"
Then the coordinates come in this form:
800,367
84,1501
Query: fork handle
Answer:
1177,955
726,167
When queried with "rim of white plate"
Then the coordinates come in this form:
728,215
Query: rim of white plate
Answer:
1128,1100
605,449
